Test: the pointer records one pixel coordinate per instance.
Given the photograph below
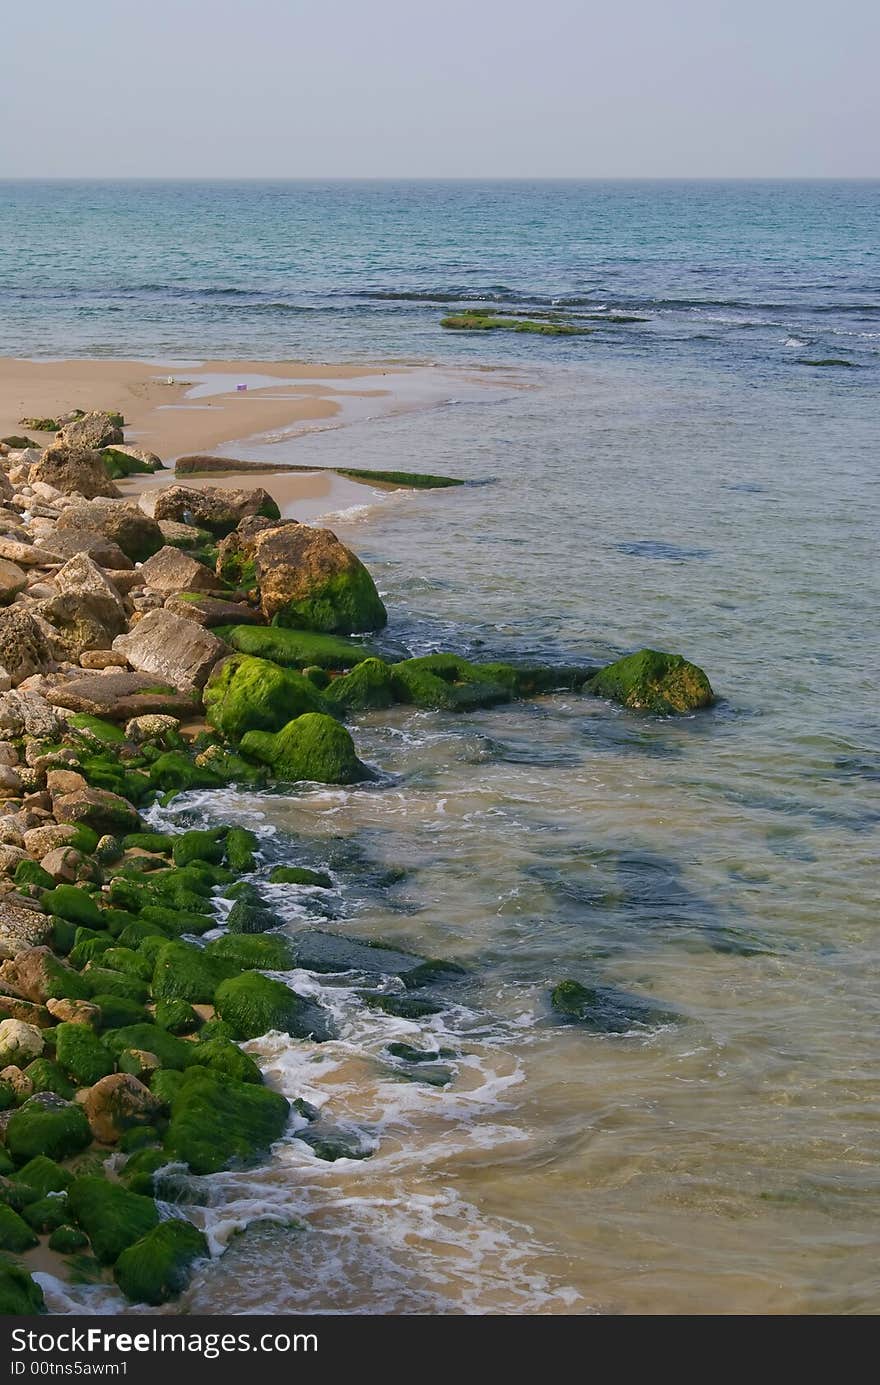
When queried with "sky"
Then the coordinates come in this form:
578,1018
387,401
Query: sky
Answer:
455,88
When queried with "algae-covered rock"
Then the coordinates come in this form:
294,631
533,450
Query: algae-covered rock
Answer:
247,694
314,747
46,1214
605,1009
15,1233
295,648
217,1121
43,1176
369,686
116,1103
651,681
177,1016
198,846
184,972
71,903
254,953
450,683
219,1054
310,581
20,1295
171,1052
47,1076
66,1240
80,1053
116,1011
255,1004
112,1217
241,846
56,1130
158,1266
300,875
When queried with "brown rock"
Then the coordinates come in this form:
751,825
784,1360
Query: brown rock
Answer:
21,928
118,696
23,645
39,841
67,543
27,713
211,610
19,1081
102,658
64,781
213,507
75,626
10,782
12,581
74,1011
63,864
99,809
93,430
298,564
125,523
26,554
176,651
10,857
82,577
116,1103
32,972
73,470
13,1008
170,570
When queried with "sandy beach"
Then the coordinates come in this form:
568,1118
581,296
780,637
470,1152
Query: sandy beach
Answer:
165,417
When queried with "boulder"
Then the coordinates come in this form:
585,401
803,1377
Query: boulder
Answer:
116,1103
112,1217
36,974
26,554
211,610
19,1043
309,580
102,658
213,507
176,651
73,470
297,648
99,809
184,535
82,577
74,1011
46,1124
39,841
171,570
246,694
651,681
68,543
20,1295
23,645
93,430
76,626
253,1005
27,713
313,748
158,1267
120,696
12,581
135,533
21,929
217,1121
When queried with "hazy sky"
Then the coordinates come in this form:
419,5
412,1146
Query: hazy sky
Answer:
470,88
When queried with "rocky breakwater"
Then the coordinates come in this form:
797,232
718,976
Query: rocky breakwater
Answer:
143,656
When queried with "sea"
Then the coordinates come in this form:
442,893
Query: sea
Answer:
703,479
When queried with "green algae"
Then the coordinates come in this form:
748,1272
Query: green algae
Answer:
655,682
250,694
294,648
313,748
158,1266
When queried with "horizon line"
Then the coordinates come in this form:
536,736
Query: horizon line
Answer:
440,178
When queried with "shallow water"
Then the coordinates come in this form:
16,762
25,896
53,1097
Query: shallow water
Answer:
687,484
721,866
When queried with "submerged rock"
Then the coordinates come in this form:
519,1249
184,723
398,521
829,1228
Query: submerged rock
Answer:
158,1266
606,1010
651,681
218,1121
313,748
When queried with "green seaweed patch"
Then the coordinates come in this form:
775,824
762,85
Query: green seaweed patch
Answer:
410,480
314,749
654,682
476,320
295,648
158,1267
251,694
112,1216
218,1121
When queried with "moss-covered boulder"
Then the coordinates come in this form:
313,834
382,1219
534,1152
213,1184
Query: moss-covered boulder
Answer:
176,771
47,1076
245,917
57,1130
32,873
198,845
67,1240
184,972
80,1053
43,1176
369,686
313,748
219,1054
651,681
308,580
46,1214
255,1004
247,694
112,1217
15,1233
295,648
177,1016
217,1121
160,842
116,1011
158,1266
449,683
250,953
105,981
20,1295
300,875
241,848
171,1052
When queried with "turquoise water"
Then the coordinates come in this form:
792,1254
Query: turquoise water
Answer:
726,273
686,483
